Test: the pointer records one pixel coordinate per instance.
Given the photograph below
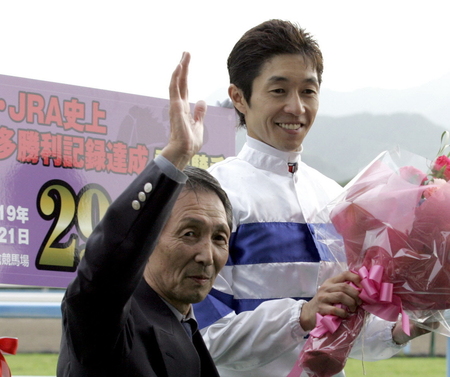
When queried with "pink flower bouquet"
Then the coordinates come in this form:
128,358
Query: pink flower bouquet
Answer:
394,223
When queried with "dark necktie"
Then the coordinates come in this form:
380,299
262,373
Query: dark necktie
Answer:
190,326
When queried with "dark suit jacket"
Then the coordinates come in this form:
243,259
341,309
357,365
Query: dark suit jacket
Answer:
114,324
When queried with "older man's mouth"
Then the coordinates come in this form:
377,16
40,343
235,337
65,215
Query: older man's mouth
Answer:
200,279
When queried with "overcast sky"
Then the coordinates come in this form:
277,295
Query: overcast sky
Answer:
133,46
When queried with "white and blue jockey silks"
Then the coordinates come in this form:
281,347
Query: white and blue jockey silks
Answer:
250,321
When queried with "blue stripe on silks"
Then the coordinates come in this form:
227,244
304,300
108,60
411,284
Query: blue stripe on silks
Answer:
211,309
325,235
218,304
252,244
272,243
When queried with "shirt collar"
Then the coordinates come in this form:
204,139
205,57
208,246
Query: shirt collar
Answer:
181,317
265,157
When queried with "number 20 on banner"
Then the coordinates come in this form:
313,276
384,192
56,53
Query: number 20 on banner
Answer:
57,202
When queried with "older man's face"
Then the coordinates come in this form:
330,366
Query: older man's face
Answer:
191,251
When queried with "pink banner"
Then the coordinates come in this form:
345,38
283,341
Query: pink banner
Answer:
65,153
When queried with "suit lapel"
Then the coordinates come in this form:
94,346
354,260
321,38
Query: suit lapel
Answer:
177,350
208,368
179,354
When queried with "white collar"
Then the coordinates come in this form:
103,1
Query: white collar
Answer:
263,156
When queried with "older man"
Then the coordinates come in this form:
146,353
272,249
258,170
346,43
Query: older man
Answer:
158,249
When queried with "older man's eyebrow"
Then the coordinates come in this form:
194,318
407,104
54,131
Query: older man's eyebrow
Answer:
192,221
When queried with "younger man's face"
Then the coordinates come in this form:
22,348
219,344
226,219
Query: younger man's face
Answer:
284,102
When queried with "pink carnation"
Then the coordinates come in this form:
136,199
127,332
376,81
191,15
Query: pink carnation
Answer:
442,167
436,185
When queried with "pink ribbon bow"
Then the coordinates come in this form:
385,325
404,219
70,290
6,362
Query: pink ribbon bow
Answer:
326,324
377,297
9,347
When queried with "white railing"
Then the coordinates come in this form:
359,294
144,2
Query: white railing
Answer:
30,304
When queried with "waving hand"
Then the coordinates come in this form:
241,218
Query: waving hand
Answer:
186,129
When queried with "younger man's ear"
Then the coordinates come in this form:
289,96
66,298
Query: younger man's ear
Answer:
237,96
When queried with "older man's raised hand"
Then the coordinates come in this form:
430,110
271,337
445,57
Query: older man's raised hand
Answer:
186,128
